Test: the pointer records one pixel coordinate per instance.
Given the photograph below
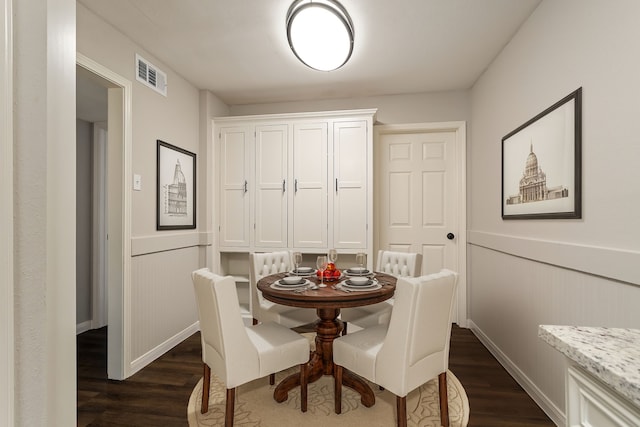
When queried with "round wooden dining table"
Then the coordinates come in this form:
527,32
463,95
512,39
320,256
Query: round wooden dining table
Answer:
327,301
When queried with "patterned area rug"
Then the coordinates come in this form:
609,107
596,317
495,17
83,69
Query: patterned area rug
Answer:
255,405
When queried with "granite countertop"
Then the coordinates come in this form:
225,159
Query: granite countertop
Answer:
610,354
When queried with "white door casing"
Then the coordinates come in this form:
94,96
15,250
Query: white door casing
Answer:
6,218
421,196
119,152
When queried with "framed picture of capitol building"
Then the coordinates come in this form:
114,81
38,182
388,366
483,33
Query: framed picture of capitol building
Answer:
176,188
541,164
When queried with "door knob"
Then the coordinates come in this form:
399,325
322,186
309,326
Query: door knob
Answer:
451,236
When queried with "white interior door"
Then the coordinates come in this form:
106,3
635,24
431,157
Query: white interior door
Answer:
420,182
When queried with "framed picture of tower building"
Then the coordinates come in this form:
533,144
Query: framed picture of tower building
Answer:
176,188
541,164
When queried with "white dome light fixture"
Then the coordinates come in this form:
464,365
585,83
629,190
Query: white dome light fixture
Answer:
320,33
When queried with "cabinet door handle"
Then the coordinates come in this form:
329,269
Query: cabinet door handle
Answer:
336,185
295,185
283,186
245,185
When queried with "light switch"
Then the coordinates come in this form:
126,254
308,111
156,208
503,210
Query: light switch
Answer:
137,182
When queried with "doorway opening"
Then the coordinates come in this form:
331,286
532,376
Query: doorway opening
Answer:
111,260
91,177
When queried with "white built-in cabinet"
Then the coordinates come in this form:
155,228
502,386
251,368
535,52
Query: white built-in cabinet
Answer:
298,181
236,159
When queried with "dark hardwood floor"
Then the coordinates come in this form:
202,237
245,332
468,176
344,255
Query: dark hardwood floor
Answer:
495,398
158,395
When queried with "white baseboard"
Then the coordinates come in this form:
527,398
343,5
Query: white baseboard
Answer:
83,327
161,349
552,411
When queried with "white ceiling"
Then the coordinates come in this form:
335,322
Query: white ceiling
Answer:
238,49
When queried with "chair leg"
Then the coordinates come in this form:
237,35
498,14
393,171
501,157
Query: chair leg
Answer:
337,385
444,399
206,383
304,378
231,401
401,410
272,379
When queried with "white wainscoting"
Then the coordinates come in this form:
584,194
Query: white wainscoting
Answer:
170,241
518,283
163,309
611,263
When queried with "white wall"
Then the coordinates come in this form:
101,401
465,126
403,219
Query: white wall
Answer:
393,109
7,341
174,119
210,107
44,212
523,273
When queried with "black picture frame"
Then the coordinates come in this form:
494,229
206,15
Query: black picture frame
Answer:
175,188
542,166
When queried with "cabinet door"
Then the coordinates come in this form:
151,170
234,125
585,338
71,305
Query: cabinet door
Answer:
309,222
350,169
235,191
270,186
590,402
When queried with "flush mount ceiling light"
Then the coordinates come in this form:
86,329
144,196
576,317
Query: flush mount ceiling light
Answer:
320,33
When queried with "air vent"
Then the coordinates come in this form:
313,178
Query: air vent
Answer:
149,75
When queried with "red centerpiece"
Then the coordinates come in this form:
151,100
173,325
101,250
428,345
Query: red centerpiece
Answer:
331,274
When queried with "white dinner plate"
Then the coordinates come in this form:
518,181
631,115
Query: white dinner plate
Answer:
282,285
353,284
373,287
350,272
303,272
300,282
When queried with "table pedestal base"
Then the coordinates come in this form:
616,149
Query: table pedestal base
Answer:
320,363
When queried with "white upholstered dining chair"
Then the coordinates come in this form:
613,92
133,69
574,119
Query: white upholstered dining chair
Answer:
398,264
262,310
237,353
411,349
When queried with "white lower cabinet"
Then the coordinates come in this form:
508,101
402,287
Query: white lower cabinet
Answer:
591,403
296,181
